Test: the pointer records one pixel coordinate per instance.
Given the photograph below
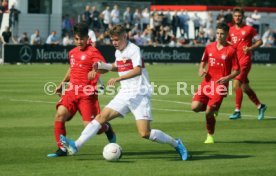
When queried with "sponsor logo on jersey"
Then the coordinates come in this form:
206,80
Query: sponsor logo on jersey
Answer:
223,57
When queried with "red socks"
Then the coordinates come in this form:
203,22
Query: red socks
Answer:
210,124
58,130
239,97
253,97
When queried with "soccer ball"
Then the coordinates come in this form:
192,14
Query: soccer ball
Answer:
112,152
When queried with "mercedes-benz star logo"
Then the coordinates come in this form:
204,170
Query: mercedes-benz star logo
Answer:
25,53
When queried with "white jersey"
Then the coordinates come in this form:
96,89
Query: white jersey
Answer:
126,60
92,36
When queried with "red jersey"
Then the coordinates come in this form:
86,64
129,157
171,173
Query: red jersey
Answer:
241,37
81,63
220,62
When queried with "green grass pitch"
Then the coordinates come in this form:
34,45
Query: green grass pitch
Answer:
243,147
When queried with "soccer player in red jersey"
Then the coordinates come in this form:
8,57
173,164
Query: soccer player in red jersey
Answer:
223,66
81,94
241,36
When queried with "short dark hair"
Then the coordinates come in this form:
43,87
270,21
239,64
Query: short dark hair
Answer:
81,29
239,10
117,30
223,26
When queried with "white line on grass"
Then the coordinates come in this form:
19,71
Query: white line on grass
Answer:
157,109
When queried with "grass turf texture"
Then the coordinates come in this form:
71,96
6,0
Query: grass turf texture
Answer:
243,147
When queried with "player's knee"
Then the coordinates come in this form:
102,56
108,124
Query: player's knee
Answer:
144,134
60,117
195,108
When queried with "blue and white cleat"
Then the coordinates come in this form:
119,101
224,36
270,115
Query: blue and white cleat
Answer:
69,145
181,150
236,115
262,111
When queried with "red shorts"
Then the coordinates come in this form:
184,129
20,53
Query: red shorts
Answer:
244,71
88,106
212,100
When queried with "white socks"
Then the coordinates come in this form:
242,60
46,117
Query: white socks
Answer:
162,138
90,130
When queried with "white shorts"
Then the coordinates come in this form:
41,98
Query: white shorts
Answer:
139,105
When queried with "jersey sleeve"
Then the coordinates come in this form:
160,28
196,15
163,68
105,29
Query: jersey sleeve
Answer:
254,34
136,58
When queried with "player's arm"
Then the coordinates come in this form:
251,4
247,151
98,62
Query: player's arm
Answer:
133,73
202,71
227,78
65,79
258,42
102,67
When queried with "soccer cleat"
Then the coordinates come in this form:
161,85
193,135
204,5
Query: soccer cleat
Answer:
181,150
236,115
58,153
262,111
110,134
209,139
69,145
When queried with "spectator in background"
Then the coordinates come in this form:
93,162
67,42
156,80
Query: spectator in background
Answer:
95,15
52,39
145,18
249,20
115,15
67,40
7,36
137,18
5,4
256,17
220,17
13,19
175,23
127,16
106,16
184,26
86,16
228,18
24,39
66,26
2,11
197,24
200,39
35,38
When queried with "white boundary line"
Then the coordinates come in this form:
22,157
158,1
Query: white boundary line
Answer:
157,109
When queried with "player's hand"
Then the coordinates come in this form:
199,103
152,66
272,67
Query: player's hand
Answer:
222,80
95,66
112,81
91,75
58,90
246,49
202,72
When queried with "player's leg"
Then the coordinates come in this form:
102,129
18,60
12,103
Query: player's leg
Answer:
100,81
198,106
89,108
143,127
214,104
239,97
62,115
210,125
117,107
253,97
141,109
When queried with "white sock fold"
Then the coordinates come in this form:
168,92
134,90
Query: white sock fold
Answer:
162,138
89,131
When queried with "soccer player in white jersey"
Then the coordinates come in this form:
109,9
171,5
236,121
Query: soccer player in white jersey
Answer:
134,96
